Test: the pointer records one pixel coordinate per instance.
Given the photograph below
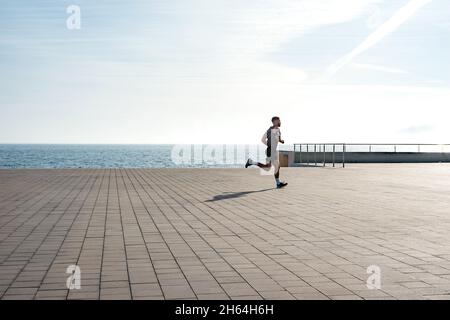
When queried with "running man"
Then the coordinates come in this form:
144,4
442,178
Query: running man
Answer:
271,138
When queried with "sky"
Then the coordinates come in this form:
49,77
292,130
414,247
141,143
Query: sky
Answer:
216,71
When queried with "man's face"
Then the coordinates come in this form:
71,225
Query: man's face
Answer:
277,123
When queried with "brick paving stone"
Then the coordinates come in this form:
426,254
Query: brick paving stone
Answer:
146,290
226,233
51,294
177,292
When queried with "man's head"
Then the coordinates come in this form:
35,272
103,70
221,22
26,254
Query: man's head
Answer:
276,121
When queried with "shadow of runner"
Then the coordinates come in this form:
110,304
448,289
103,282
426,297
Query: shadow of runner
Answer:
232,195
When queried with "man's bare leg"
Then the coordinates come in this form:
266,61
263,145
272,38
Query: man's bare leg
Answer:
277,174
280,184
265,166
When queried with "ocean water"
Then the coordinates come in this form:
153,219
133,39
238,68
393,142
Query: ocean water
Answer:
156,155
126,156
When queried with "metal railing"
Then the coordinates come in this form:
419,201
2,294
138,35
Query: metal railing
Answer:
323,153
309,153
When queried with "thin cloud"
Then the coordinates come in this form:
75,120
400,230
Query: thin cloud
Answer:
400,17
373,67
417,129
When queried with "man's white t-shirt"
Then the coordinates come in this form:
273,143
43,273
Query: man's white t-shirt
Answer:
275,135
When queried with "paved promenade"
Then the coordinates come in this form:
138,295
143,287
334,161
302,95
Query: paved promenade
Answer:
226,233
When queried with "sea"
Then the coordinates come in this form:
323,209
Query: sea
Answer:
127,156
47,156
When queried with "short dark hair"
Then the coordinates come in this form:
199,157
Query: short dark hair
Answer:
275,118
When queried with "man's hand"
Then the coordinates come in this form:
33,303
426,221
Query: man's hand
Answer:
282,141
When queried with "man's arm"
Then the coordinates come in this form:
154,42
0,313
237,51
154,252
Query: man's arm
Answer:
280,140
264,138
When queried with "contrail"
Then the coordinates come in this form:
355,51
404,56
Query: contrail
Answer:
382,31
